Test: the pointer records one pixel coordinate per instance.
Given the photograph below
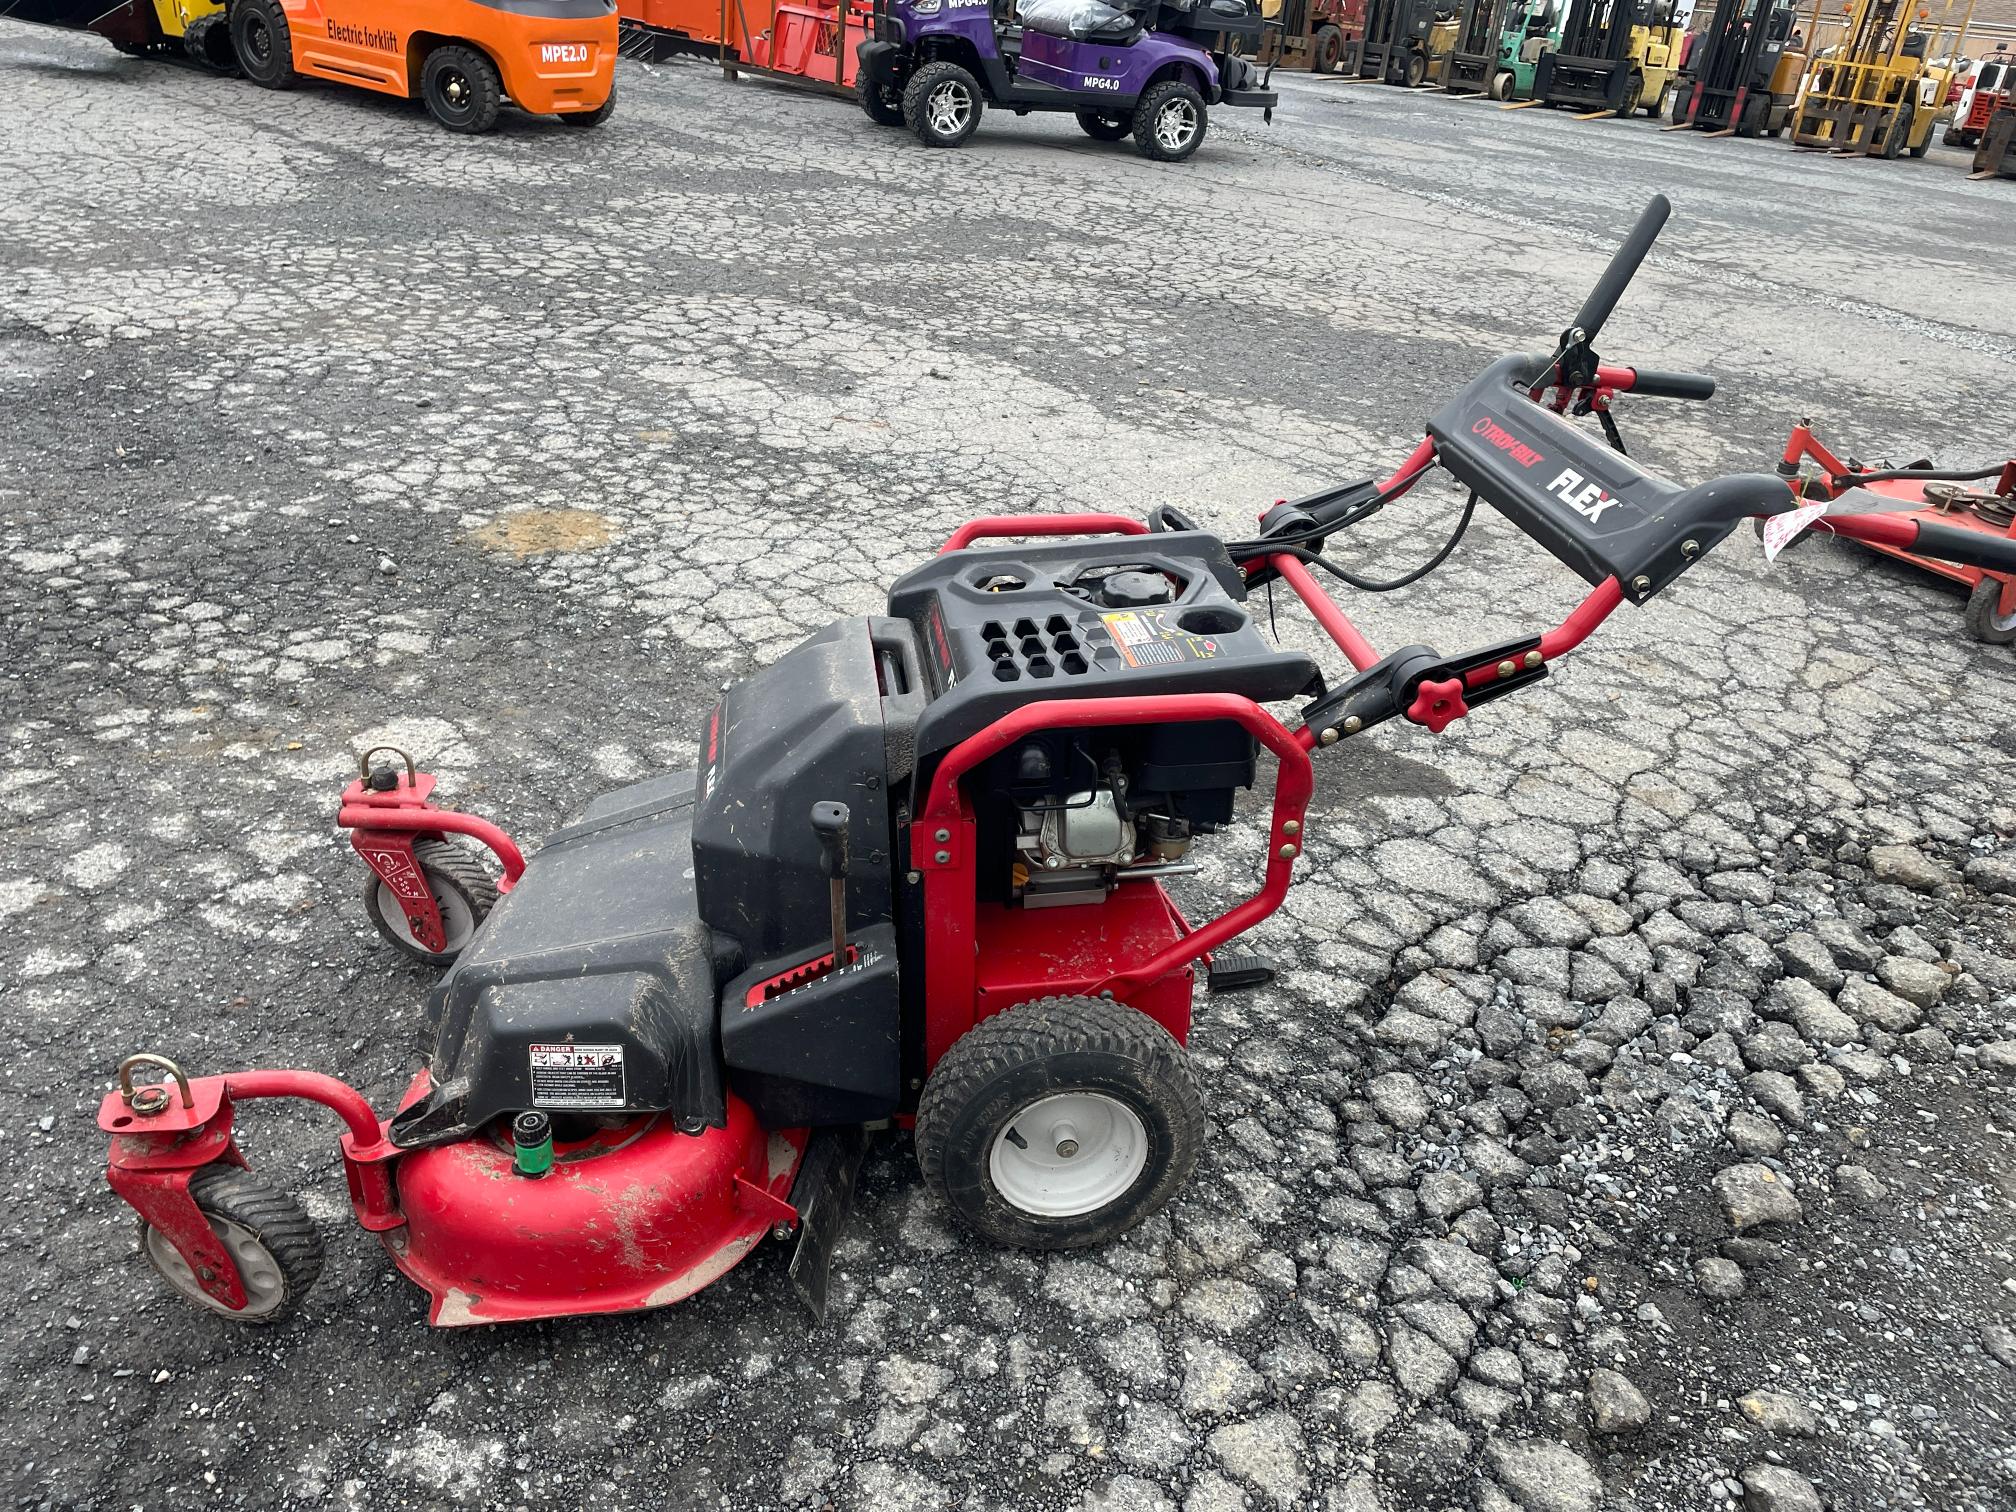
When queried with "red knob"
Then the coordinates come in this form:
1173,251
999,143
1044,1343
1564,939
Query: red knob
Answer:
1436,704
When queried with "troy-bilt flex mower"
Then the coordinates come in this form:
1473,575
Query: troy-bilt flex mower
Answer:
1150,71
917,877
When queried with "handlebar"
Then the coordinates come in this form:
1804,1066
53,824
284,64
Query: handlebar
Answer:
1658,385
1610,287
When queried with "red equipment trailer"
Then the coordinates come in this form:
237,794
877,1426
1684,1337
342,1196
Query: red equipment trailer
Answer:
804,41
1915,496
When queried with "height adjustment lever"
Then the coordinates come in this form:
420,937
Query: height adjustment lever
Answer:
1426,686
829,823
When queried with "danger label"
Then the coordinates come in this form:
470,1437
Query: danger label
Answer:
1145,639
577,1076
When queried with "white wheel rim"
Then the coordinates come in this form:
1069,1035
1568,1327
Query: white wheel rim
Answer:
458,920
1068,1154
265,1286
2001,622
1176,124
948,107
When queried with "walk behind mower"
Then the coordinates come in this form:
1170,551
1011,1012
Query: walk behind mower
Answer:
1979,500
1150,70
916,878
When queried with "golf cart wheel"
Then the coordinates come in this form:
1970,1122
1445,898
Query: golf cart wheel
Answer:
1634,93
260,39
595,117
1501,85
1417,70
884,106
274,1244
1169,121
1326,50
463,893
207,40
1104,128
461,89
942,104
1060,1123
1983,623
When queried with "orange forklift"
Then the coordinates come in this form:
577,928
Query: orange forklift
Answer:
462,58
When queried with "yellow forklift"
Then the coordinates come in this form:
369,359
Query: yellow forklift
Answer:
1615,57
1879,91
142,28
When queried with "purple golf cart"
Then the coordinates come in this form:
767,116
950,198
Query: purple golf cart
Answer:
1151,70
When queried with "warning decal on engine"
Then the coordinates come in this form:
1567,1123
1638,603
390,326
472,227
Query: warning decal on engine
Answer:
1146,639
577,1076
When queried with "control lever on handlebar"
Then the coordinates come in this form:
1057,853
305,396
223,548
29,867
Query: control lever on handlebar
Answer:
1602,300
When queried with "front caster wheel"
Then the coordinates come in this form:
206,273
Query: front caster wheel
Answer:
1103,128
273,1243
1985,622
1061,1123
463,895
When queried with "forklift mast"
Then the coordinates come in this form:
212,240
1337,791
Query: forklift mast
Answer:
1868,96
1475,59
1737,58
1589,66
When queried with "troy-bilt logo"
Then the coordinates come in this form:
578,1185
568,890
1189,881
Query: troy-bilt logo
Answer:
1095,81
563,52
1506,442
1586,499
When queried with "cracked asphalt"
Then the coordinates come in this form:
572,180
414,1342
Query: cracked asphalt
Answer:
1629,1126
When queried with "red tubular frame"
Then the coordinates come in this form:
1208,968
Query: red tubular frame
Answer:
942,843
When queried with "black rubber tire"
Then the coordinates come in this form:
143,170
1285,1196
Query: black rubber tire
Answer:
1954,137
1634,95
1326,50
1416,73
881,104
207,41
1755,109
1104,128
1501,85
446,866
275,1220
1922,148
1981,623
1678,115
926,82
460,88
264,47
1658,107
1148,109
1893,139
1038,1049
587,118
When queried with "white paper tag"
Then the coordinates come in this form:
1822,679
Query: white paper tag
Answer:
1782,529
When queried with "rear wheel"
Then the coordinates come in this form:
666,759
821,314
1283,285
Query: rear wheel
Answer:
595,117
207,40
259,37
881,104
1326,50
1984,622
942,104
1105,128
461,89
463,895
1658,107
272,1242
1169,122
1060,1123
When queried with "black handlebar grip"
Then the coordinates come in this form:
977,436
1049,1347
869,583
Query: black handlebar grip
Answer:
829,822
1672,385
1970,548
1617,277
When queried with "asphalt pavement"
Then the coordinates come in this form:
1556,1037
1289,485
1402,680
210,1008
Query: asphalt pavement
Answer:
320,427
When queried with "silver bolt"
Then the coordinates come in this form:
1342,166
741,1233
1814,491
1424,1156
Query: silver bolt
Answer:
780,1231
1532,658
1507,668
942,836
1353,725
1641,585
943,857
1328,738
916,877
1066,1148
1292,827
1288,853
1690,548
